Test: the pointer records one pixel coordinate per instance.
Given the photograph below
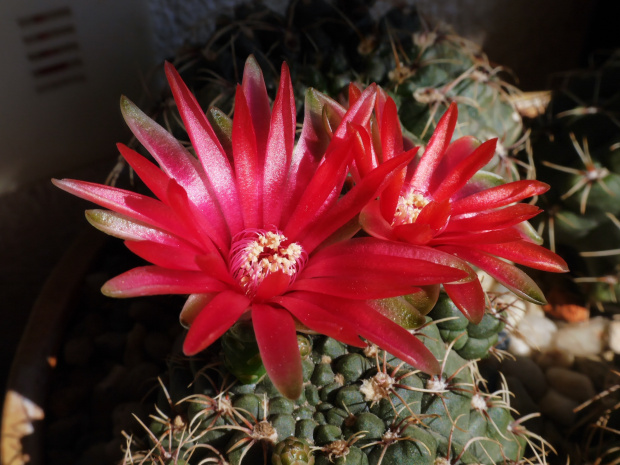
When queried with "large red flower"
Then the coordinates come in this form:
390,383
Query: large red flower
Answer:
442,201
255,227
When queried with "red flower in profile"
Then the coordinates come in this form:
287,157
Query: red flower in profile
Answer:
255,227
444,202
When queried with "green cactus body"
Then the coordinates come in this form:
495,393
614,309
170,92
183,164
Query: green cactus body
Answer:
327,45
575,149
358,407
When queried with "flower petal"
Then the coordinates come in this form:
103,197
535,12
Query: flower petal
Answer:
124,227
255,93
154,178
166,256
391,146
463,172
367,246
509,275
310,148
219,314
498,196
176,162
326,182
319,319
414,233
279,149
277,342
353,201
495,219
381,331
248,169
373,222
192,307
130,204
469,298
215,163
476,237
456,152
528,254
155,280
435,150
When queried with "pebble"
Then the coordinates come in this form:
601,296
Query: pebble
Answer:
77,351
523,403
613,335
528,373
535,332
558,408
572,384
582,339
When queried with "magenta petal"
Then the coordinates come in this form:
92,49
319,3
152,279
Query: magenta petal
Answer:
353,201
200,227
247,168
277,342
456,152
135,206
155,280
391,146
435,150
325,183
192,307
458,177
366,246
273,284
498,196
124,227
310,148
373,222
374,287
255,93
494,219
279,150
436,214
509,275
414,233
469,298
319,319
213,320
176,162
216,165
476,237
359,113
382,331
166,256
154,178
528,254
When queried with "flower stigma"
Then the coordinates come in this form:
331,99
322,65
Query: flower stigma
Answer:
409,207
255,254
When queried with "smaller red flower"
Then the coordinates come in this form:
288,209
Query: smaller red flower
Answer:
445,202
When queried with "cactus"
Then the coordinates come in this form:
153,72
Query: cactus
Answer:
329,44
575,147
359,406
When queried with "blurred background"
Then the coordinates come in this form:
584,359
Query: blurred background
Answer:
66,62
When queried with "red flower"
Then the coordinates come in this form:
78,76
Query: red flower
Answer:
256,227
444,202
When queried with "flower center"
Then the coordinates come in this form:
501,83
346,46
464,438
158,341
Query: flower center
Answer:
255,254
409,207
